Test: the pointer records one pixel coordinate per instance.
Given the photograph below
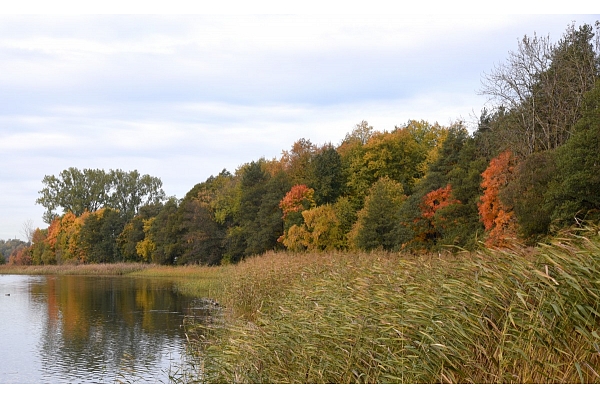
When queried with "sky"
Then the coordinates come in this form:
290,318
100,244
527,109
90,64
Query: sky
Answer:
182,97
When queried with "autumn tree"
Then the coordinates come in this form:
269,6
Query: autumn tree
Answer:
21,256
7,246
459,165
320,231
499,220
431,205
298,199
133,233
63,238
297,161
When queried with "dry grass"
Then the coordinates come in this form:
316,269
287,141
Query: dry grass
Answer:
195,281
73,269
483,317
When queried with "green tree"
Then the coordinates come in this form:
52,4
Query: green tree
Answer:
264,230
256,222
378,219
133,232
91,189
326,176
574,190
130,191
526,194
74,191
98,236
297,161
165,234
538,91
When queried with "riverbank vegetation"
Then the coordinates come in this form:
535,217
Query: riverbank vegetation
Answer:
490,316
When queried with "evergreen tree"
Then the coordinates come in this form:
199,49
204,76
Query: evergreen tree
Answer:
574,192
378,219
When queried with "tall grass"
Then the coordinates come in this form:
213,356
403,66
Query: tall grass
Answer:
76,269
513,316
194,281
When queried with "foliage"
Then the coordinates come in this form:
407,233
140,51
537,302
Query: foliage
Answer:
526,195
98,236
326,176
498,220
419,187
297,161
320,231
89,190
298,199
375,225
164,234
459,166
574,189
8,246
433,222
538,91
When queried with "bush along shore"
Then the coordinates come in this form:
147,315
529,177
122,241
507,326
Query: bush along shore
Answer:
489,316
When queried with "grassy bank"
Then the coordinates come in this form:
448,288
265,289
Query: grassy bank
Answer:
74,269
483,317
191,280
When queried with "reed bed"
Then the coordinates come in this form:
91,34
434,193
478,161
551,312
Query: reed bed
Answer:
517,316
195,281
76,269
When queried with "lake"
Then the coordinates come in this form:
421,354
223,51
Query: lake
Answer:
93,329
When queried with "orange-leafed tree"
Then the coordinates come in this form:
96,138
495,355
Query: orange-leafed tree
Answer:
63,238
431,223
299,198
498,219
436,200
20,256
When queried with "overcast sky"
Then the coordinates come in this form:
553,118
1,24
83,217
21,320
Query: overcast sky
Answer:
182,97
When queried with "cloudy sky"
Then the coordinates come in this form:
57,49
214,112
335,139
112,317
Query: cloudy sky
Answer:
182,97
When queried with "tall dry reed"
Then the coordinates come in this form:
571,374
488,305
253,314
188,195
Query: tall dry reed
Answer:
484,317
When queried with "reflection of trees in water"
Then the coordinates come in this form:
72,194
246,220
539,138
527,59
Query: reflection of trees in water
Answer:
101,329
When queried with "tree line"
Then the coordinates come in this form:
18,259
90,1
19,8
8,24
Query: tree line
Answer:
531,167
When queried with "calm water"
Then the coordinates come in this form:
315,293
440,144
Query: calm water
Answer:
76,329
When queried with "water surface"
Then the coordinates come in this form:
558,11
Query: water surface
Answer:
82,329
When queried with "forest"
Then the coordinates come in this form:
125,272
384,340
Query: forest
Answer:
529,169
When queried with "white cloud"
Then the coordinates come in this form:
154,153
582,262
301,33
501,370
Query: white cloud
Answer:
182,97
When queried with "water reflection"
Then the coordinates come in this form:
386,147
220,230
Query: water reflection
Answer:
78,329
